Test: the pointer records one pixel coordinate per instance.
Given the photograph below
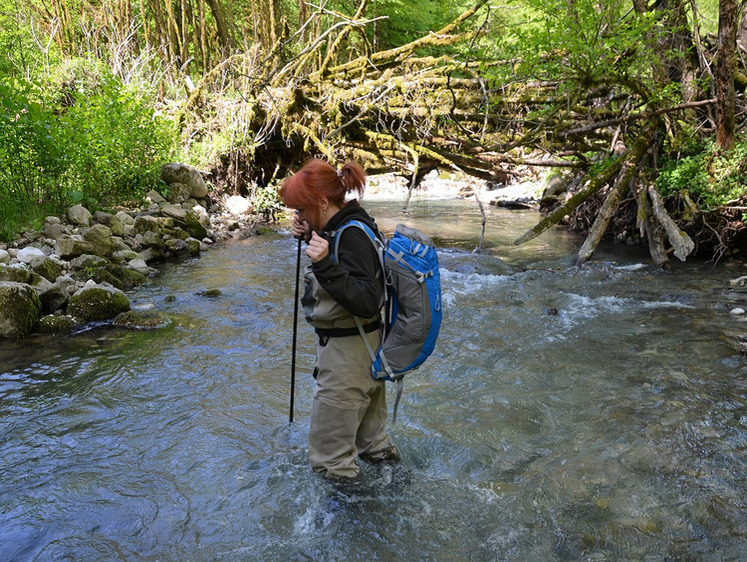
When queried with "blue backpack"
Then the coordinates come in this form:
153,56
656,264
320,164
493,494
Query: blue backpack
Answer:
413,301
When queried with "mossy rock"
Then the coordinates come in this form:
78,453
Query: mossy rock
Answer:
142,320
193,225
49,270
52,324
97,303
19,308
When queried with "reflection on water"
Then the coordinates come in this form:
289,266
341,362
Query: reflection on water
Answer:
593,413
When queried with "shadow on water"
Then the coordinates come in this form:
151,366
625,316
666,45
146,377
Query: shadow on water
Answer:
566,414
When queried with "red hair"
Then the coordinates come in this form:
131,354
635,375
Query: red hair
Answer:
305,188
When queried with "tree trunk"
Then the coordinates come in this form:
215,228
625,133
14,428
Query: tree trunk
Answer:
726,63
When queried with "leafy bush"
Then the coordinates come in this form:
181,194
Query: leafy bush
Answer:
102,146
711,178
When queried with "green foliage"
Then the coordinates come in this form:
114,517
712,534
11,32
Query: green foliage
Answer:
99,146
711,177
406,20
120,144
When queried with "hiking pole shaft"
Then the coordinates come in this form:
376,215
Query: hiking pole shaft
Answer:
295,331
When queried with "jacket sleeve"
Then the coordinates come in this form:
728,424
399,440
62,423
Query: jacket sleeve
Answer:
356,281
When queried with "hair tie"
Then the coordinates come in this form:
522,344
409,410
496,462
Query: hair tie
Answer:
339,173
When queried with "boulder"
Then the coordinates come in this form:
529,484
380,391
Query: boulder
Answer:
32,256
48,269
19,308
194,225
141,320
176,172
238,205
55,231
100,237
179,192
79,215
97,302
146,223
125,218
72,246
140,266
154,197
174,211
4,256
112,221
51,324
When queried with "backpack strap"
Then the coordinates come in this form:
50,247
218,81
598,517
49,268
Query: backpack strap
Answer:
378,244
397,380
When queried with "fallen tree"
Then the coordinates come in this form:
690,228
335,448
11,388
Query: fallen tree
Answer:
432,104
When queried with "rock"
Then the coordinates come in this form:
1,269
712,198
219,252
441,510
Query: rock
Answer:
32,256
238,205
141,320
55,231
145,223
176,172
17,274
51,324
739,283
179,192
107,219
210,293
72,246
125,218
4,256
48,269
79,215
102,270
88,262
125,255
154,197
151,240
140,266
54,298
19,308
97,302
737,311
174,211
100,237
194,226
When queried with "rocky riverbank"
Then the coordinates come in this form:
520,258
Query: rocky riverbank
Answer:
79,267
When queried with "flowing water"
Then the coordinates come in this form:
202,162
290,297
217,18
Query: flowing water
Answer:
594,413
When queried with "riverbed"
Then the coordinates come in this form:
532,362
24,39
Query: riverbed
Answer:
592,413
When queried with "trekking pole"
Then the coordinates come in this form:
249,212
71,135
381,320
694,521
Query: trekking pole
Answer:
295,331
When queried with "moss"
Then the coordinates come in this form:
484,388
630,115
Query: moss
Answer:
20,306
139,320
97,303
51,324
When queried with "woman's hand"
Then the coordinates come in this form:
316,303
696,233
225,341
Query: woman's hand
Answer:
301,229
318,248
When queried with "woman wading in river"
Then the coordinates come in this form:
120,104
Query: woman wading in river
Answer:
348,417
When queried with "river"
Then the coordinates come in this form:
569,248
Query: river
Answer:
594,413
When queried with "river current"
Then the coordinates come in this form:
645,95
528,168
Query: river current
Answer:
592,413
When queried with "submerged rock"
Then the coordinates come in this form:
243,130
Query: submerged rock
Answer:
142,320
51,324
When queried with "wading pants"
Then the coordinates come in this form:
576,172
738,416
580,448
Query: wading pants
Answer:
348,416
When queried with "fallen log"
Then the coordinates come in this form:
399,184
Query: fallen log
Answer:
681,243
597,183
623,182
